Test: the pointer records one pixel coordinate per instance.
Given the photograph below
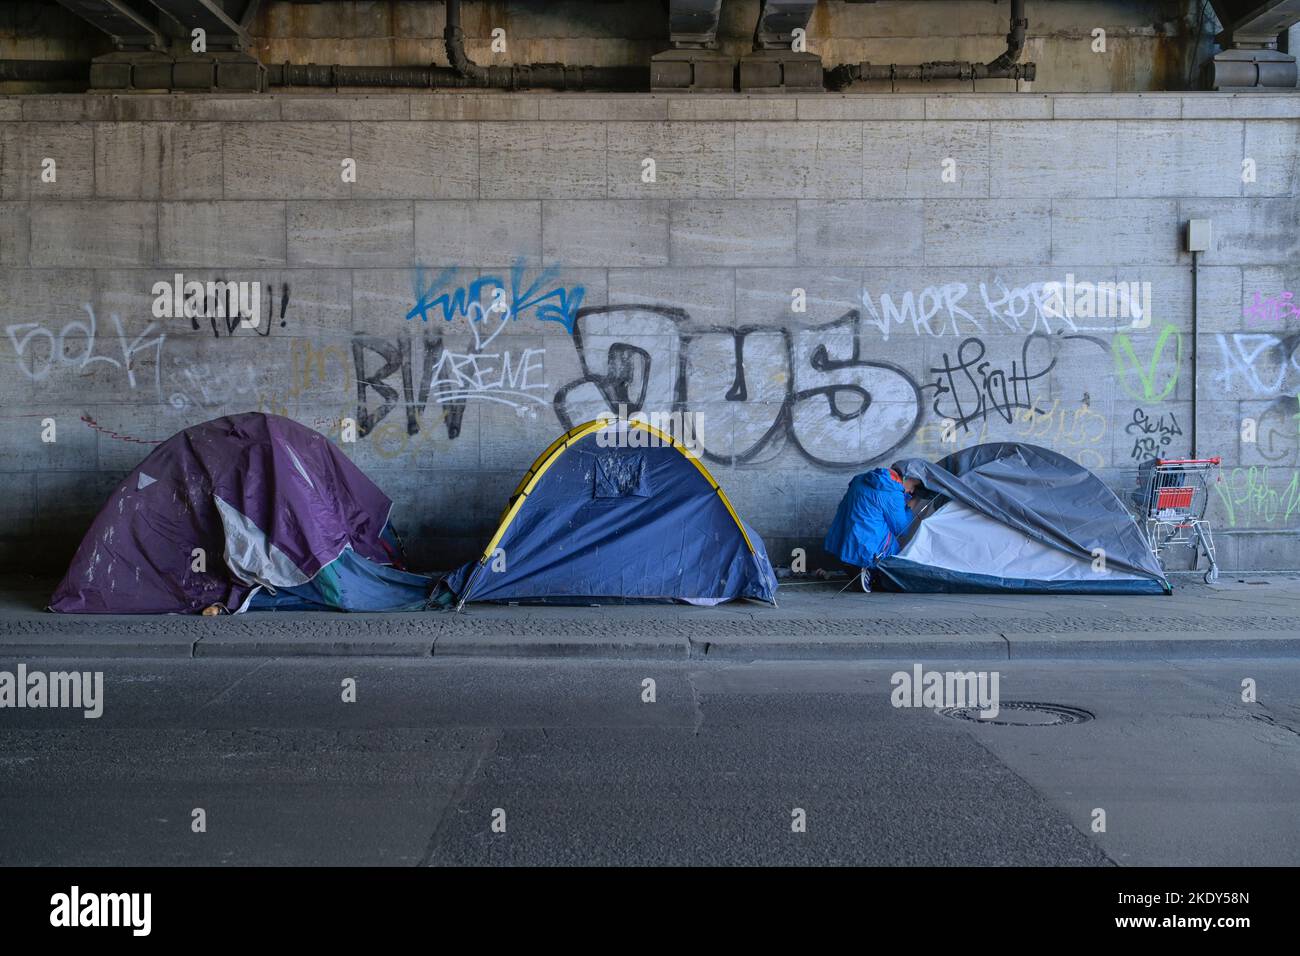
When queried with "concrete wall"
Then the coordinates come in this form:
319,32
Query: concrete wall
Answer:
924,293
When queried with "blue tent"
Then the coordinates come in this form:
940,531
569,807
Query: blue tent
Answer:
616,512
1008,516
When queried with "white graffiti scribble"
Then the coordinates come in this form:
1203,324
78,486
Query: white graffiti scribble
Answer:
951,310
1260,361
211,385
60,349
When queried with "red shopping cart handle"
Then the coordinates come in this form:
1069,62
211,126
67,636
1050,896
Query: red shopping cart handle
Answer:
1189,461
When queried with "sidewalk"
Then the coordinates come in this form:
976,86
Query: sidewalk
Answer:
1241,616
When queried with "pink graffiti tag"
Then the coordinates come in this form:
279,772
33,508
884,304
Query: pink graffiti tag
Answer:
1271,309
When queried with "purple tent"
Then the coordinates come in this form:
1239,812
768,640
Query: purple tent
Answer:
270,503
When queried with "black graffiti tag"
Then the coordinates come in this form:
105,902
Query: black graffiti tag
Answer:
1153,434
760,387
396,357
971,389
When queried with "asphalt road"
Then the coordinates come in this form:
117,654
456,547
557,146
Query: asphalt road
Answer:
582,770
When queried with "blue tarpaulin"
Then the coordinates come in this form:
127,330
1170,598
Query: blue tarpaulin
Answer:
352,583
1007,516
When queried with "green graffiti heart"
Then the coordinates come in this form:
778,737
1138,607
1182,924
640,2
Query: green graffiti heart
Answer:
1147,373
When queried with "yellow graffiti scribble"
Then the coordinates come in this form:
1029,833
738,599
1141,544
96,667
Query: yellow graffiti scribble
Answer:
1060,426
310,369
1078,433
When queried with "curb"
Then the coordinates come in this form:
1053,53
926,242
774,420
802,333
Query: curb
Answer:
1180,645
791,647
134,646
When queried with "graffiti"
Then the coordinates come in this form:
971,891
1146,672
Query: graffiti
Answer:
937,439
1154,435
117,436
1156,379
971,389
444,377
1035,308
542,299
1261,362
60,350
438,374
390,440
1077,433
1083,299
220,320
1271,310
1253,496
1061,426
1278,434
761,388
921,311
209,384
224,304
311,370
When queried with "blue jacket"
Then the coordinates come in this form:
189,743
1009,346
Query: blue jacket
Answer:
871,516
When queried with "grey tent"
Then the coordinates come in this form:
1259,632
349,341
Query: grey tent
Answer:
1013,517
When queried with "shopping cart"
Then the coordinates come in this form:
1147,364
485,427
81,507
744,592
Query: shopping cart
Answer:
1173,495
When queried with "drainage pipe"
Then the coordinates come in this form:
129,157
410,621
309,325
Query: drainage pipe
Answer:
464,73
1195,354
550,76
553,76
1003,67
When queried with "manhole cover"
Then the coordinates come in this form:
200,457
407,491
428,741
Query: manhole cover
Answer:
1022,713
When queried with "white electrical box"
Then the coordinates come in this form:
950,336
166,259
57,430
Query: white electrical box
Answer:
1198,235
